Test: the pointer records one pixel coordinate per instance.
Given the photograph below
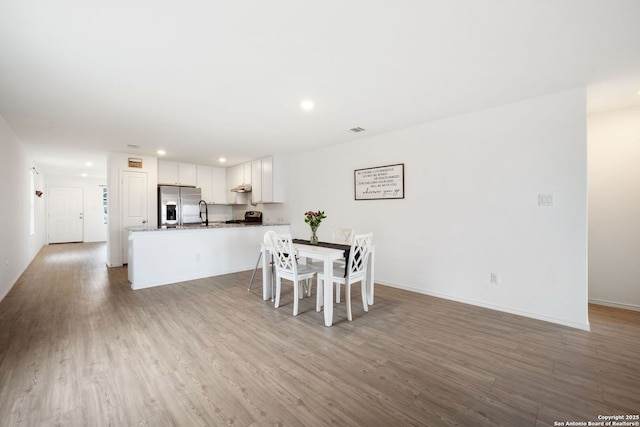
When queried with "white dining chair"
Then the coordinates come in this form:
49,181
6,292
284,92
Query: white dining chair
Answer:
344,236
356,271
266,240
287,268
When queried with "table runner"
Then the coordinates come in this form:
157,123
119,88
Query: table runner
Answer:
345,248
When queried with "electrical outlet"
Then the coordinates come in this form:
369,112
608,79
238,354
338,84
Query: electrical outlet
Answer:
495,278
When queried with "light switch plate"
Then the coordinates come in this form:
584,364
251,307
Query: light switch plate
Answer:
545,199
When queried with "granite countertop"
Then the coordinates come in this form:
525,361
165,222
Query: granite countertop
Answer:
212,225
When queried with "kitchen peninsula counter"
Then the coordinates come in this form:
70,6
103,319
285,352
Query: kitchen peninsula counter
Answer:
161,256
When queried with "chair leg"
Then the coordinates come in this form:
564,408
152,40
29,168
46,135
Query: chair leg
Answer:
363,289
296,287
347,296
254,271
278,287
272,279
306,288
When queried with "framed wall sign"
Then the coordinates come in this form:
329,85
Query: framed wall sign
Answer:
135,163
382,182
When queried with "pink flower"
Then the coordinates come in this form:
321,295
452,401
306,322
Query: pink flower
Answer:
314,218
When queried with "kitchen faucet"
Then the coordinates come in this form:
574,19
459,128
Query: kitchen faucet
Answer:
206,212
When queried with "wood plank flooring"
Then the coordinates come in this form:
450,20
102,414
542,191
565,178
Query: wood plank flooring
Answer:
78,347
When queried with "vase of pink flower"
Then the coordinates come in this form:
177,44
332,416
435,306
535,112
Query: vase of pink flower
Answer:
314,219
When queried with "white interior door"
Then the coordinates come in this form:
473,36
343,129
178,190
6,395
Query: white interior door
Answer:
135,206
66,214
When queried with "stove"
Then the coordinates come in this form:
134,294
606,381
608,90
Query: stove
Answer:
250,217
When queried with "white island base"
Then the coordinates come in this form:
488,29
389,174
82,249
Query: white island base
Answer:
164,256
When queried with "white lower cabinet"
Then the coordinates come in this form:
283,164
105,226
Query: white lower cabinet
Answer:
195,253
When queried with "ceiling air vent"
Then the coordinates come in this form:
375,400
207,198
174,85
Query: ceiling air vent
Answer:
133,146
357,129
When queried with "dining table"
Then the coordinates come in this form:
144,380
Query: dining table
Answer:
327,253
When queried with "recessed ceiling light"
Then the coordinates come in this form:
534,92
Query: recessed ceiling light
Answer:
161,152
84,175
222,160
89,164
306,105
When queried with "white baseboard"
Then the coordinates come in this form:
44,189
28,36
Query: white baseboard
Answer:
584,327
614,304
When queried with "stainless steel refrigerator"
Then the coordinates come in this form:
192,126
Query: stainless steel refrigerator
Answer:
178,205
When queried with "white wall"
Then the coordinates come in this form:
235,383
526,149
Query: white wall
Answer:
17,246
117,163
614,208
471,206
94,228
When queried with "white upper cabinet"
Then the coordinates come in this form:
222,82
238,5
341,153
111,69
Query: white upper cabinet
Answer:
204,180
232,181
213,183
266,177
238,175
187,174
246,173
167,172
176,173
219,192
256,186
269,184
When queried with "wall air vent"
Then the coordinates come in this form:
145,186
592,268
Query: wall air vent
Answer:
357,129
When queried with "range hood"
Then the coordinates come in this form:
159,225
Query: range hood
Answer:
243,188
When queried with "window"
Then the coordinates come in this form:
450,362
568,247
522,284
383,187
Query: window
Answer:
105,209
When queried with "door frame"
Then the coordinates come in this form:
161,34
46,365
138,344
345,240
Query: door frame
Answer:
124,241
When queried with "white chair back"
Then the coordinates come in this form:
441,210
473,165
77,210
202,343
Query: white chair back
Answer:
342,235
287,268
356,271
267,237
283,252
359,255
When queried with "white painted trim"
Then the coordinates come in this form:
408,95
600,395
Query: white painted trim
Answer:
584,327
614,304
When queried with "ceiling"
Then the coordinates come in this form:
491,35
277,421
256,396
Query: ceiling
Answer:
209,79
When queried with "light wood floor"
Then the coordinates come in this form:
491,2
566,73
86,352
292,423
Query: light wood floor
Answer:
78,347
